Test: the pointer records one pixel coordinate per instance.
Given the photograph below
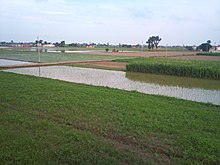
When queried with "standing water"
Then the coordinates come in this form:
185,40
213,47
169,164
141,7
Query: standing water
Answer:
118,79
12,62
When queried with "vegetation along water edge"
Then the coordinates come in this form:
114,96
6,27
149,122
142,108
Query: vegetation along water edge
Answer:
167,66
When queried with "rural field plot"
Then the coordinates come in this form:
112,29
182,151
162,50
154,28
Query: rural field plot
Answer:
51,57
82,124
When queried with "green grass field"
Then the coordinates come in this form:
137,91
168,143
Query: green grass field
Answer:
187,68
31,56
45,121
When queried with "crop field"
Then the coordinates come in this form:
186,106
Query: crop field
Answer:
117,48
45,121
188,68
51,57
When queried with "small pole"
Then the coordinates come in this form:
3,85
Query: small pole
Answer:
38,53
166,50
38,49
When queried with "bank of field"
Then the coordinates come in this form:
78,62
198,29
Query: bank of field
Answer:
32,56
188,68
208,54
45,121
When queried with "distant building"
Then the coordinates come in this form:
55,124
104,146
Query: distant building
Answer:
215,49
90,46
49,46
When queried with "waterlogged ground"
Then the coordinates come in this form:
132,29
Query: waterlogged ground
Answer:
118,79
12,62
168,80
52,56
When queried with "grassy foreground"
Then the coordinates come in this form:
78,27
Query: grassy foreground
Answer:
24,55
187,68
45,121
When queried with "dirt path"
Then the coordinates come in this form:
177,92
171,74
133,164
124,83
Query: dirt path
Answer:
109,65
142,54
209,58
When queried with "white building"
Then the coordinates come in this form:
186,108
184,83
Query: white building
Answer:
215,49
49,46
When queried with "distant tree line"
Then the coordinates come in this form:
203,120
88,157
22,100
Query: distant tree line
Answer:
61,44
57,44
152,43
42,42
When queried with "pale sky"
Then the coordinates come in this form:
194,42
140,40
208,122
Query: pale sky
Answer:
177,22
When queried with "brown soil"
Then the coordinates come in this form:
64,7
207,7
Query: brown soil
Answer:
142,54
210,58
111,64
104,65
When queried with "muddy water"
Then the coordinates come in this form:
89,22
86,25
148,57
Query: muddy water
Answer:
167,80
117,79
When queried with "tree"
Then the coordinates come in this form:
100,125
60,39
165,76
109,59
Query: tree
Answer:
208,42
153,41
62,43
205,46
150,43
156,40
190,48
40,41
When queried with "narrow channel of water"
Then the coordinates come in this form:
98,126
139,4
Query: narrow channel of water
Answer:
118,79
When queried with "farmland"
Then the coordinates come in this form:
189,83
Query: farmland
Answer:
190,68
84,48
47,121
32,56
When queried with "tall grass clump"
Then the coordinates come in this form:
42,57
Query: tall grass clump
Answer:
187,68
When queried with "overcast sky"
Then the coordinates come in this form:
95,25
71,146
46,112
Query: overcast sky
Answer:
177,22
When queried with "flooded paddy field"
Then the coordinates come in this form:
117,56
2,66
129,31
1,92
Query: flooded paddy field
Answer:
198,90
33,56
4,62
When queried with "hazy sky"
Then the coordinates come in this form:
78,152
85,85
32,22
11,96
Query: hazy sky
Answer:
177,22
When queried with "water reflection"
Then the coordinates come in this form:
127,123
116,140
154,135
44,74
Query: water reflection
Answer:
4,62
174,80
117,79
